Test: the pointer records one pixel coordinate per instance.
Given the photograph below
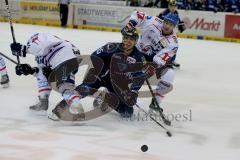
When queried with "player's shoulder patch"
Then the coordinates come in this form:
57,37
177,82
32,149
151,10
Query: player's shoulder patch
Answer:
110,47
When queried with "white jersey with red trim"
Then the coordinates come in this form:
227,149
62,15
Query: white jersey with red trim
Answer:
152,42
50,50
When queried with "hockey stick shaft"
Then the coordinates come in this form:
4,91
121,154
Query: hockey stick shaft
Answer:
156,102
10,59
151,91
11,27
167,131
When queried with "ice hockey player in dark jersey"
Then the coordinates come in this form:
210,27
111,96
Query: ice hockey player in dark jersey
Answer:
120,53
118,67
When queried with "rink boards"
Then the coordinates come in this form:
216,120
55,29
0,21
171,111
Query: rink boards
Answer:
200,24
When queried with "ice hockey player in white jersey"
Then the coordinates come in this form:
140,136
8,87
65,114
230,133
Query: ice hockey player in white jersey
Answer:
56,58
159,43
3,73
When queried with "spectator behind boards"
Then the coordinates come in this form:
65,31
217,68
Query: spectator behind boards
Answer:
63,4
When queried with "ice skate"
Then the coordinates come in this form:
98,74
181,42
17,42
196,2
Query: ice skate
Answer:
41,105
176,65
5,81
153,108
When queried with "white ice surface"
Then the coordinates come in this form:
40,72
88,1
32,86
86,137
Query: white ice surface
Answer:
207,84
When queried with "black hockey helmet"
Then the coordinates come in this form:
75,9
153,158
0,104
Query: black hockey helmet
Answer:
131,34
172,3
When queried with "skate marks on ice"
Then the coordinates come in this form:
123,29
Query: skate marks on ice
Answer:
117,156
17,140
24,152
45,130
24,138
10,123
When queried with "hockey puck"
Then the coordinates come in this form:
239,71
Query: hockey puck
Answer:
169,134
144,148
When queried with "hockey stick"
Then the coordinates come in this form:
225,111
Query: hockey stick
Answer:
10,59
165,120
11,26
167,131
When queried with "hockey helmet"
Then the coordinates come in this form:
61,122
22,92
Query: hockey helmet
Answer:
172,3
172,18
131,34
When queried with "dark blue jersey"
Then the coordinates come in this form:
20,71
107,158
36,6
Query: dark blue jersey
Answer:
116,64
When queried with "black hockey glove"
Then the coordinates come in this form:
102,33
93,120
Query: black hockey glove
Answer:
25,69
18,49
47,71
181,27
130,97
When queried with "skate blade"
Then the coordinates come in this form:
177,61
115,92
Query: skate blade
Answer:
37,110
53,117
38,113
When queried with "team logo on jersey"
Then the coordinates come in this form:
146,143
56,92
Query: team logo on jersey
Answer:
100,50
131,60
166,57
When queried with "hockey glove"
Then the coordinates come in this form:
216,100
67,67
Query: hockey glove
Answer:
25,69
181,27
150,69
18,49
47,71
130,97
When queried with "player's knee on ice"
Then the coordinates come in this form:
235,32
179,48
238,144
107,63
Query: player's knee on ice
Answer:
125,110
